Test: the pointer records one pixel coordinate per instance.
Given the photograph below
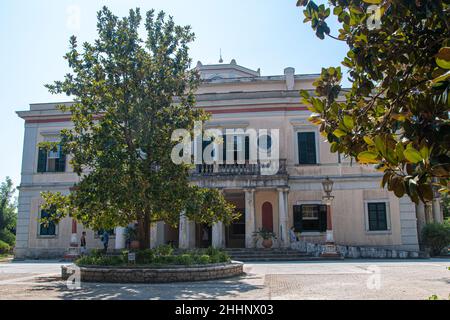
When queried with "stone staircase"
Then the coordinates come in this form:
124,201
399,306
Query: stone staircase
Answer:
267,255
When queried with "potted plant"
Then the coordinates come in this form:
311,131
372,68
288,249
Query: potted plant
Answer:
266,236
131,237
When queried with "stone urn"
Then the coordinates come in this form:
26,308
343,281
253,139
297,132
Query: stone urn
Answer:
267,243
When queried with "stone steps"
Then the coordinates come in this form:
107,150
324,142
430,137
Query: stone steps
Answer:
268,255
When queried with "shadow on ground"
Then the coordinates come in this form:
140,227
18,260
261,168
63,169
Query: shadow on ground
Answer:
216,289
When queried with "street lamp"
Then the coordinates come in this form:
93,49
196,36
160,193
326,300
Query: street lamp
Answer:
330,247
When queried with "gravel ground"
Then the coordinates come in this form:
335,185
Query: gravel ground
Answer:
349,279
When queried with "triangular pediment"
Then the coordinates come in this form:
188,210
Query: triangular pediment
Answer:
225,71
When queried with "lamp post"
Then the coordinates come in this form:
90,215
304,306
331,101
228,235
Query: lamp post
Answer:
330,247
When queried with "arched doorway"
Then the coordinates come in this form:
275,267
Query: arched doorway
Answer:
267,216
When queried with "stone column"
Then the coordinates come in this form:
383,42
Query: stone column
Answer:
421,220
218,232
250,225
438,215
120,238
153,235
429,218
283,217
186,237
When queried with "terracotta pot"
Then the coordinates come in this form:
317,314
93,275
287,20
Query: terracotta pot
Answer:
134,244
267,243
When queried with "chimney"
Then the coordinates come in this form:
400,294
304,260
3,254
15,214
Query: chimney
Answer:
289,76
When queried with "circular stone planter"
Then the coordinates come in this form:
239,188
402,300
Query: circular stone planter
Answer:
154,275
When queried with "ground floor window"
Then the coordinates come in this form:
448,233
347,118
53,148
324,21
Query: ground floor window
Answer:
310,218
377,216
48,228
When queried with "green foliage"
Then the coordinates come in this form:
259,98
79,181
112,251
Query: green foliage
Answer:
264,234
4,247
8,237
101,260
8,212
436,236
162,255
130,94
396,113
164,250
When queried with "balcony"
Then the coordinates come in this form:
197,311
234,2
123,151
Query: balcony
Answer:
258,168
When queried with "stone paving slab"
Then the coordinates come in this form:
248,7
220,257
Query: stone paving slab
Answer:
356,279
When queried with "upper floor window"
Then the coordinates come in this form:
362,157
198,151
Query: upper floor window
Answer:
306,142
310,217
377,216
47,229
52,160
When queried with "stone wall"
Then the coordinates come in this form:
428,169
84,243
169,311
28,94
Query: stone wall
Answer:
356,251
154,275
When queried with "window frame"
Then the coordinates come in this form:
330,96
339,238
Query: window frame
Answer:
45,236
296,146
309,232
388,216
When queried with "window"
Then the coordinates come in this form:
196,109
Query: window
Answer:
51,161
310,217
306,142
47,229
377,216
245,147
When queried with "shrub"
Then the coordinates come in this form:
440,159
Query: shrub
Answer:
185,259
163,250
145,256
8,237
99,261
4,247
203,259
436,236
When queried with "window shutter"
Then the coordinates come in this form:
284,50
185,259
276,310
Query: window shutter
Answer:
298,218
61,162
322,218
306,148
224,145
247,148
42,160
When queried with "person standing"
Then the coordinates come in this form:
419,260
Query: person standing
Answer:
105,240
83,243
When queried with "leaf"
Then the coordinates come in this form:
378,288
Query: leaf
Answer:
339,133
412,155
443,58
368,157
373,1
348,122
368,140
442,77
379,143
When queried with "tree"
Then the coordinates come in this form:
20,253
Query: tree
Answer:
130,96
396,113
8,212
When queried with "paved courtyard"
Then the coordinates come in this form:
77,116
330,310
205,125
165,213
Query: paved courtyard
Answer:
349,279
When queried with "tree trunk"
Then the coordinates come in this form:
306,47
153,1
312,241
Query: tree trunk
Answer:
144,232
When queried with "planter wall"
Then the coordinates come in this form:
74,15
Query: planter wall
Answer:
154,275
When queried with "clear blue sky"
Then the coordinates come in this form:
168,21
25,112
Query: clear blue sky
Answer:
266,34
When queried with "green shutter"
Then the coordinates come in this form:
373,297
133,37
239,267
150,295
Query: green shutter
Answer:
60,165
322,218
42,160
247,148
49,229
306,148
298,218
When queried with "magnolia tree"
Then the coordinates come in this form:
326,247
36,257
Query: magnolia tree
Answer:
130,95
396,113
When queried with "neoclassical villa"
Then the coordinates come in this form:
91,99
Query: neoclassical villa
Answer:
363,214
